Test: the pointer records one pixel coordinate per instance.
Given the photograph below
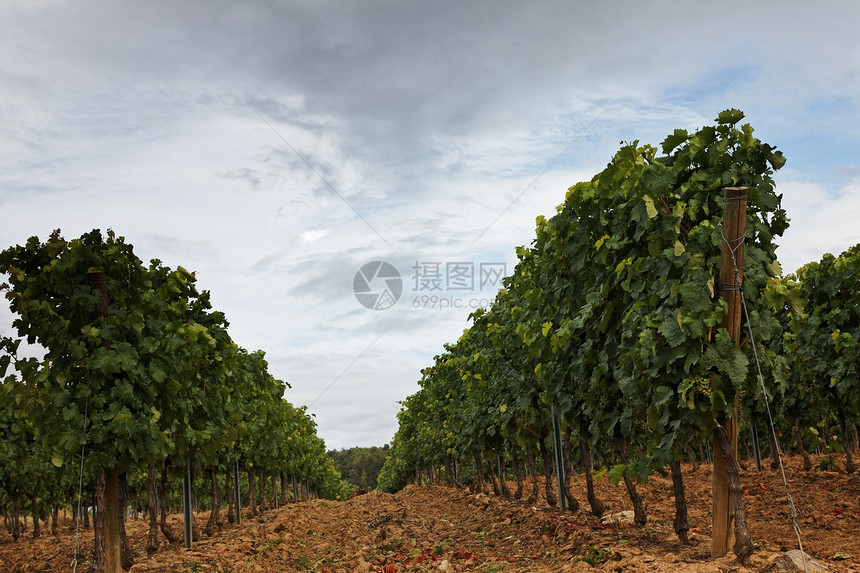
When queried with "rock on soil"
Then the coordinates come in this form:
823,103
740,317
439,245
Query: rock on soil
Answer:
793,561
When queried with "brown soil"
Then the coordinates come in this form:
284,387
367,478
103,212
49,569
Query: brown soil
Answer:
437,528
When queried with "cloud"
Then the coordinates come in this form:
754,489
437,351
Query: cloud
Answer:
239,140
309,237
848,172
823,220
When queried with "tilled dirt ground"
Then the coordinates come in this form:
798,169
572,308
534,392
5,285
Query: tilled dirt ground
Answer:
437,528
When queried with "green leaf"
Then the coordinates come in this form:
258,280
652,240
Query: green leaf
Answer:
649,206
726,358
662,395
683,389
776,159
774,269
670,329
677,138
730,116
57,460
718,401
616,473
695,298
545,328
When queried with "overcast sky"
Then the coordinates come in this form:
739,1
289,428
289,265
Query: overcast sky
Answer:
276,147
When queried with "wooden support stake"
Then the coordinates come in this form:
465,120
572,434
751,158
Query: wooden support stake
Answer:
186,508
559,462
107,523
731,280
236,495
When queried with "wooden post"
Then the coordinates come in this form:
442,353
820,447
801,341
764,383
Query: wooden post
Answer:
559,462
186,507
731,279
106,556
236,494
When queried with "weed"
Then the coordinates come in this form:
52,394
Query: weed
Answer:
268,544
393,545
595,556
827,464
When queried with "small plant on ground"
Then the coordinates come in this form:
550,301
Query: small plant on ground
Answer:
595,556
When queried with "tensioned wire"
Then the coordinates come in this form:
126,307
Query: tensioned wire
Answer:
792,509
80,493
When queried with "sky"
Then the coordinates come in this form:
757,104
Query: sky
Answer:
279,149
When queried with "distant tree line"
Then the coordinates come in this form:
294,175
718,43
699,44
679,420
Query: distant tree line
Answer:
359,466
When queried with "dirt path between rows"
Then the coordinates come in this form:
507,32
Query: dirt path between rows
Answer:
437,528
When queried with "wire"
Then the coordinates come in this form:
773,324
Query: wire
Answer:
792,508
536,179
323,179
80,493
